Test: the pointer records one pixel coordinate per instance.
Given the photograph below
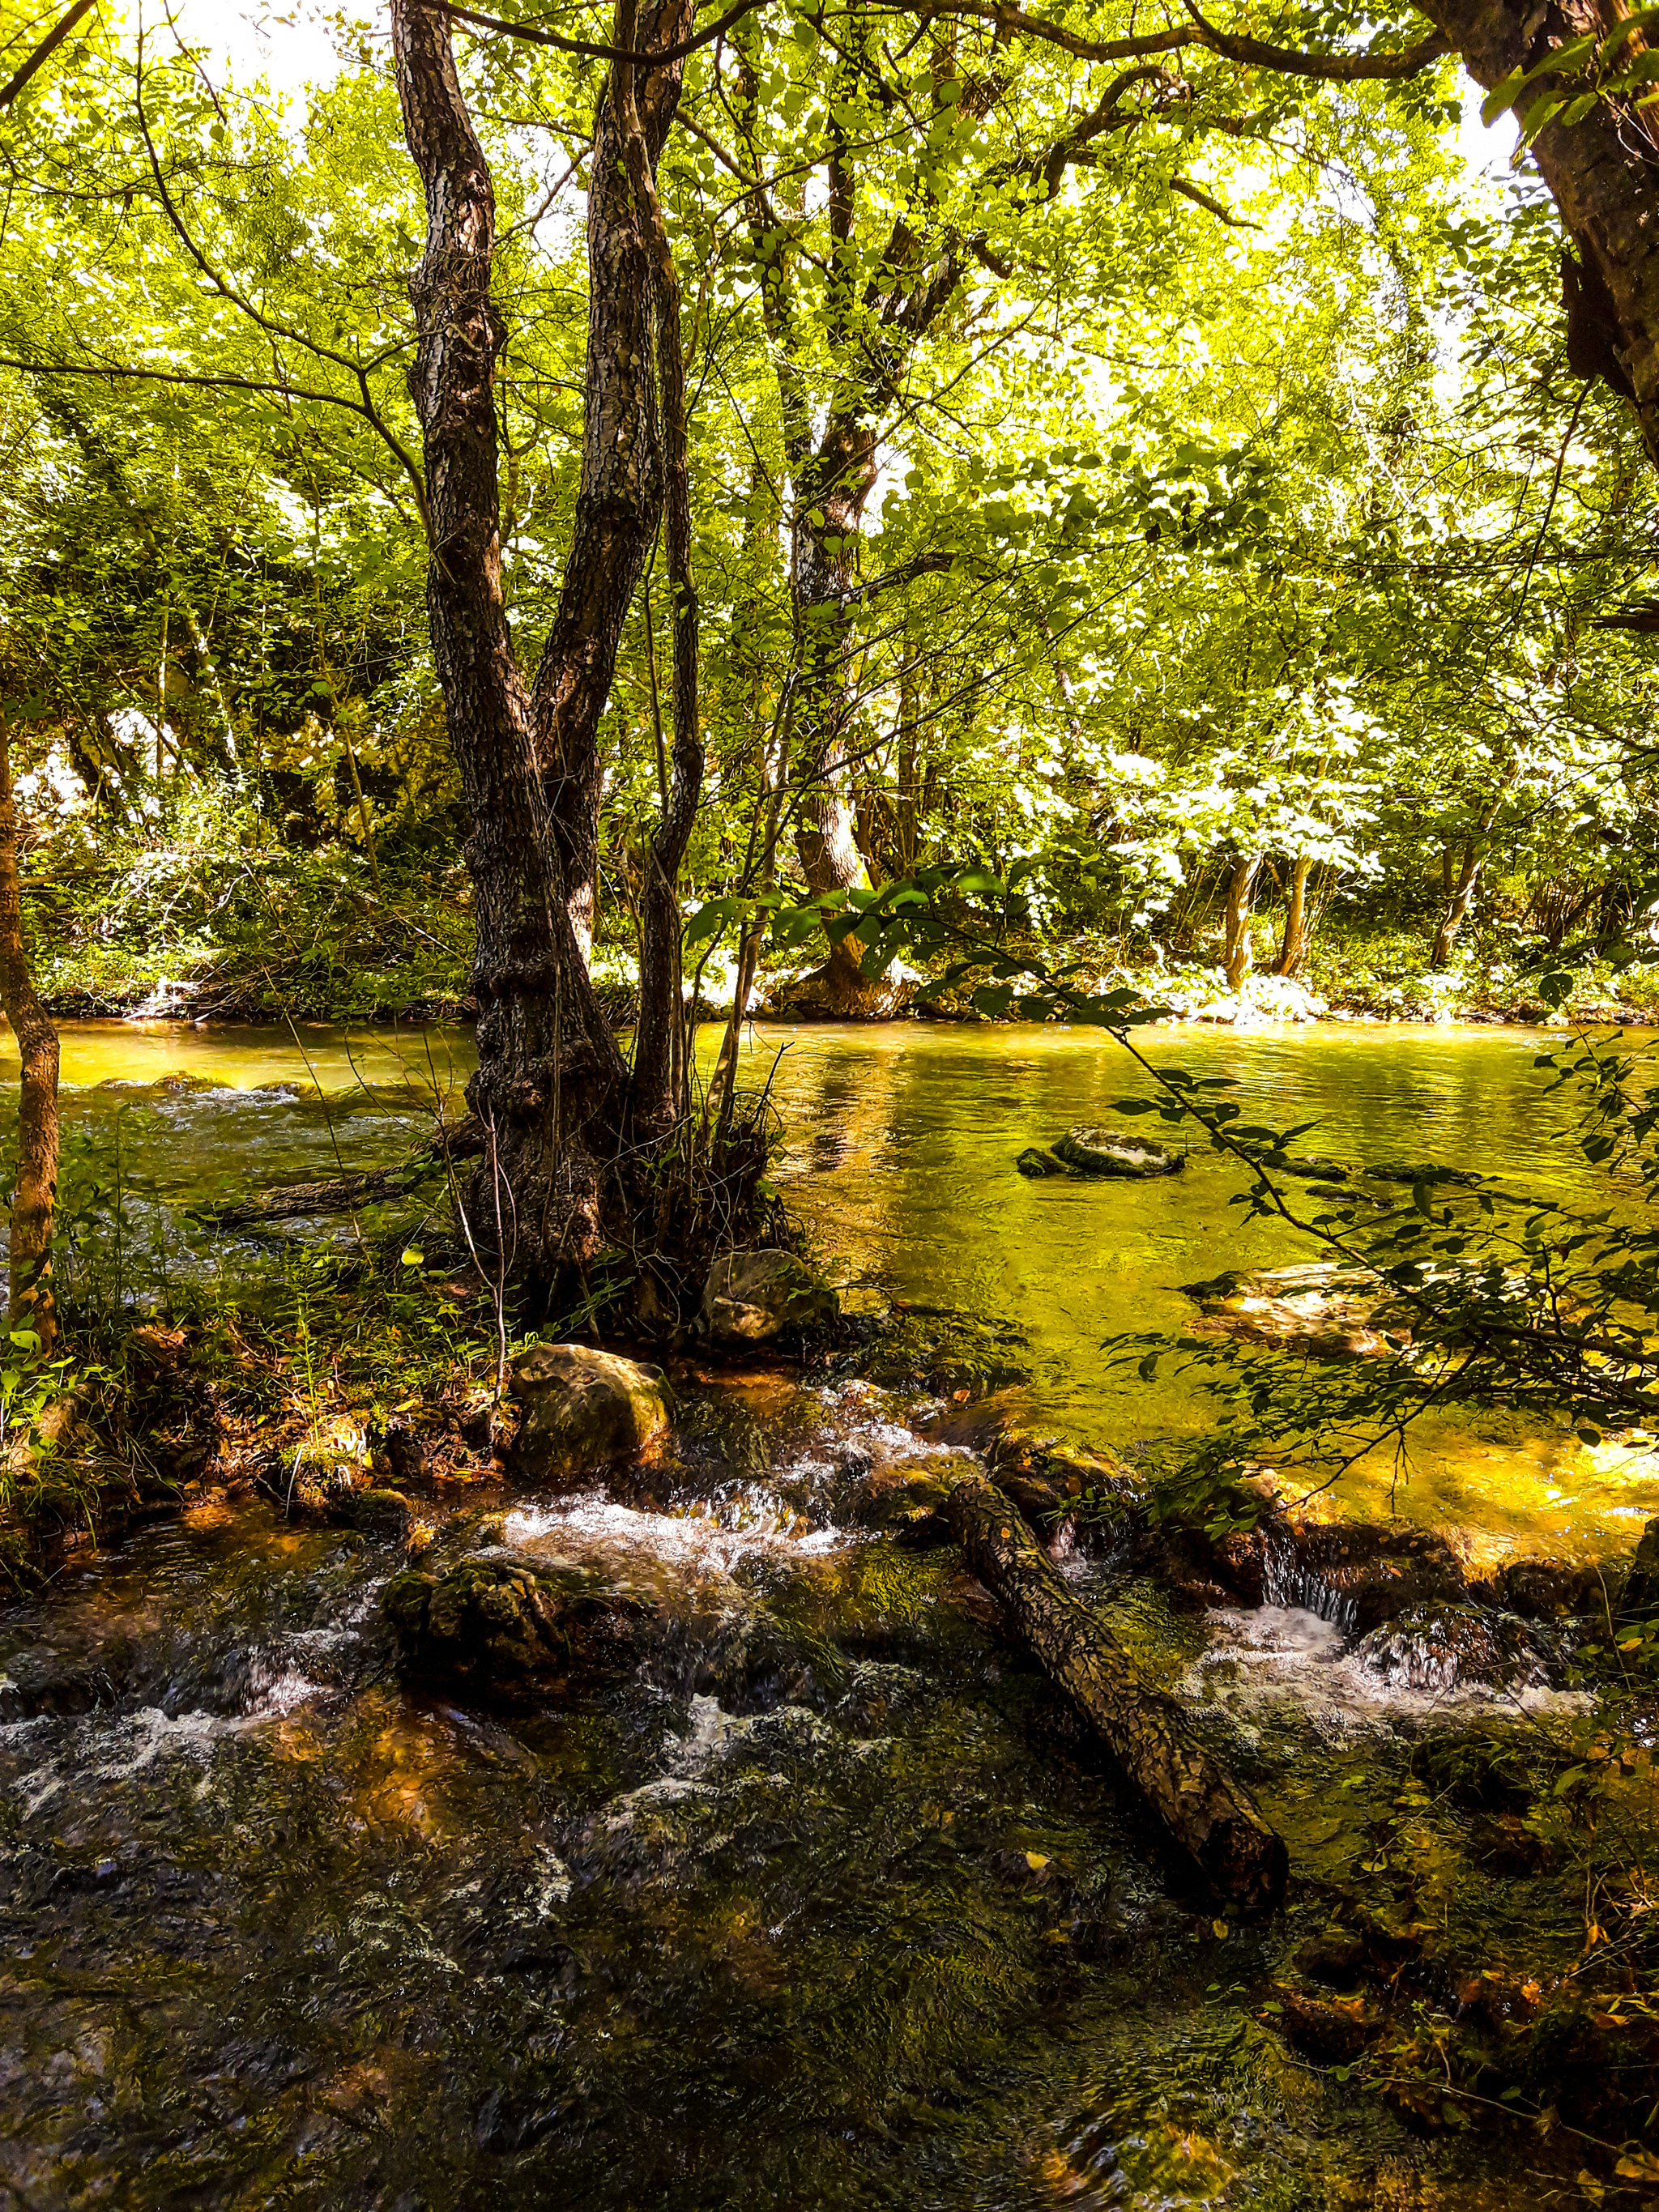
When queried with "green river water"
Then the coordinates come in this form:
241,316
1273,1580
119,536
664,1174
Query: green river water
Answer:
823,1906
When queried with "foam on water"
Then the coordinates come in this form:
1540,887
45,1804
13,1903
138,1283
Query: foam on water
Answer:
693,1542
1281,1657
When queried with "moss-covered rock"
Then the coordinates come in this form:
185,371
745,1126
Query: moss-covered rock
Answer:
757,1297
582,1410
1110,1153
504,1622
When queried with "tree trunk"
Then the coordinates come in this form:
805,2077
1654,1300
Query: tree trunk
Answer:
620,502
32,1303
836,483
550,1088
658,1093
1603,172
1293,950
1457,907
1207,1813
1238,954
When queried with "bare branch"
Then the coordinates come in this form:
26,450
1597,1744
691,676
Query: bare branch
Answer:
534,35
1212,207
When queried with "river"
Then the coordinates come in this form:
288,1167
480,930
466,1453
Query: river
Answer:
821,1906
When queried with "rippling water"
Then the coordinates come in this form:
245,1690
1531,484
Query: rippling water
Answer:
821,1904
900,1146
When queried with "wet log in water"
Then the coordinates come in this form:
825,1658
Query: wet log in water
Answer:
296,1201
1203,1808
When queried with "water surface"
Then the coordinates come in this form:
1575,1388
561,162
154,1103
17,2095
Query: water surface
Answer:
823,1903
899,1148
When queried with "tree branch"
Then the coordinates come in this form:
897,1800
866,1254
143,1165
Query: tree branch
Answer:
1332,69
1212,207
647,58
47,47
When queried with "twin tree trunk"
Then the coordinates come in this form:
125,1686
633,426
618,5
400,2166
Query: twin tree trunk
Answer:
1238,956
1293,949
552,1093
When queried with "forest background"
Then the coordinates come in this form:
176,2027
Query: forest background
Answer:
1239,559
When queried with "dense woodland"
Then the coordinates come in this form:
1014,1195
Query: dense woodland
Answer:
602,521
1170,474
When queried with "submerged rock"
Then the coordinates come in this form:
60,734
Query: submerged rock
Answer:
1439,1646
908,1506
1547,1590
1038,1163
383,1512
1316,1308
503,1621
1109,1152
754,1298
1307,1166
583,1409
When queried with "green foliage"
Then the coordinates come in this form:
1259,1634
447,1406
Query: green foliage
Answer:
1190,540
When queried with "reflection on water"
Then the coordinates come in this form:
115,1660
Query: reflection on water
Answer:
900,1146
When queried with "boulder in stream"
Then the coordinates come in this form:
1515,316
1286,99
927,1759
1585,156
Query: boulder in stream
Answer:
1548,1590
1438,1646
908,1505
1331,1312
583,1409
1111,1153
1358,1574
502,1622
755,1297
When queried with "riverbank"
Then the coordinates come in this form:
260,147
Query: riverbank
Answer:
216,935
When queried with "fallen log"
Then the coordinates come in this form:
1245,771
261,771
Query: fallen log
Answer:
1208,1814
292,1201
295,1201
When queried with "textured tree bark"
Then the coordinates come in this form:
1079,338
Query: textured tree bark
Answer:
1238,956
35,1197
1603,172
620,502
1457,907
549,1076
658,1092
1293,949
1207,1813
834,481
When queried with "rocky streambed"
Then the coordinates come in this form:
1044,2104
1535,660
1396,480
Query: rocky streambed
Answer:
694,1831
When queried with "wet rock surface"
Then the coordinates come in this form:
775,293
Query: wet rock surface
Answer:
1441,1646
1358,1574
760,1298
1096,1152
501,1621
1315,1308
1550,1590
582,1410
1038,1164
